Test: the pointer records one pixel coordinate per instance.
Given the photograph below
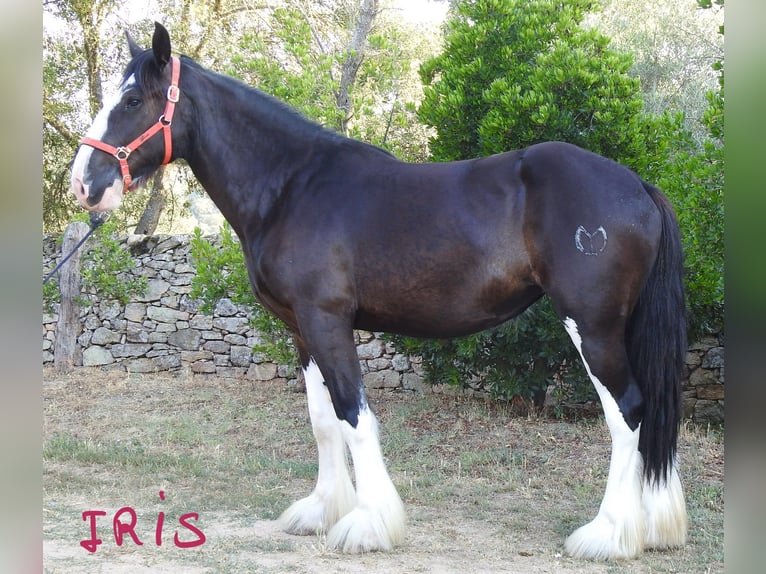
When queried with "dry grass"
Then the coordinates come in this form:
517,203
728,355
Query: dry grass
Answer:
484,491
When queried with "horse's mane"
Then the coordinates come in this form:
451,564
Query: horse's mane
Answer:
149,81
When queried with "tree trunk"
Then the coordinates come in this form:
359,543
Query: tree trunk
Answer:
93,66
68,326
90,15
368,10
150,218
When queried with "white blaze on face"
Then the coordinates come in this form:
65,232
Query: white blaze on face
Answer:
81,177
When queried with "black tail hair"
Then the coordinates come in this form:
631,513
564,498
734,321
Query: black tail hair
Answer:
656,344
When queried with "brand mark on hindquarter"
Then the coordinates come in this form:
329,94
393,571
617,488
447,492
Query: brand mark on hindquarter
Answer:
590,243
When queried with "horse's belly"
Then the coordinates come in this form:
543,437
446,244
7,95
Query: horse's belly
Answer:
433,314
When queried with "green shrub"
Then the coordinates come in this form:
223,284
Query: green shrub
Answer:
51,294
518,359
694,181
106,268
221,273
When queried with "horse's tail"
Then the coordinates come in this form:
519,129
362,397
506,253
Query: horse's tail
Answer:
656,344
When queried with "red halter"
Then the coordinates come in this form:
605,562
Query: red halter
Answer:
163,123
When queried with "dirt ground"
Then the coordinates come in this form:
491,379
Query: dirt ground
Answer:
484,491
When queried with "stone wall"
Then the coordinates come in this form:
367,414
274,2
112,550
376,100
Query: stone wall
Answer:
703,392
164,331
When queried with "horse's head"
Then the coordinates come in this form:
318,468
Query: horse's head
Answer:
131,135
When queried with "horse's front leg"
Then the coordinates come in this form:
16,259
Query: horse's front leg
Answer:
377,522
340,415
334,494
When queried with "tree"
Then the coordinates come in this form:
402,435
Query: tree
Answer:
60,134
694,180
674,46
514,73
368,10
305,53
62,123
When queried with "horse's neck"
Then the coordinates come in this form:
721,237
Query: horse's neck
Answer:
244,152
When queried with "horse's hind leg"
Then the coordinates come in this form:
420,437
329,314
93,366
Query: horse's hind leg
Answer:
665,512
618,530
334,494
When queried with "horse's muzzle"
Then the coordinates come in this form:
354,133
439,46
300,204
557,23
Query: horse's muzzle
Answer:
109,200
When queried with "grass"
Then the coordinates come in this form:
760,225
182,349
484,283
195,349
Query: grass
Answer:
483,489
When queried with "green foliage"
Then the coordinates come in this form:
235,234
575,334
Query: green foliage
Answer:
297,57
51,294
694,180
517,73
221,273
673,45
59,143
300,76
106,268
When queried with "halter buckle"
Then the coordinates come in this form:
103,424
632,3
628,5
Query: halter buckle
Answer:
173,93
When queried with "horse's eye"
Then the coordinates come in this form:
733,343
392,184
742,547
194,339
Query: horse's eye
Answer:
132,103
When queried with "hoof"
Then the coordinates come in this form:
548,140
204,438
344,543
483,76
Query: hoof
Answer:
600,539
363,530
313,514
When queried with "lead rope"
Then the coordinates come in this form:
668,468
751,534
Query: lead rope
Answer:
97,219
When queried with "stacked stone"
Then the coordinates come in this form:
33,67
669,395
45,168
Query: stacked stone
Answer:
384,368
703,394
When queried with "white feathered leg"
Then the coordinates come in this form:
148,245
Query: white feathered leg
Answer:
618,529
334,494
378,520
665,512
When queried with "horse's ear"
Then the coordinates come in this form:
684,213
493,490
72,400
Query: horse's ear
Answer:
161,45
135,49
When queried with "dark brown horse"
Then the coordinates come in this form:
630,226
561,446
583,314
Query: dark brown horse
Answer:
338,234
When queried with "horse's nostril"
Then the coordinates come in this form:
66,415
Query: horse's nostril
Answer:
80,190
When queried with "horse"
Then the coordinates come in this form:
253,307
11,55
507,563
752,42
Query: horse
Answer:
338,235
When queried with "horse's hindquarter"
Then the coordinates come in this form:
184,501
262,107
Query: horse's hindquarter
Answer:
588,221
